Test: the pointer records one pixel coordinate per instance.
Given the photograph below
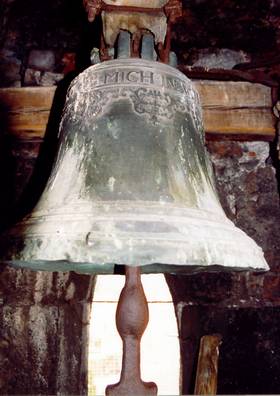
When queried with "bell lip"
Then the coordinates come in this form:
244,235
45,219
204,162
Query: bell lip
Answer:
164,251
110,268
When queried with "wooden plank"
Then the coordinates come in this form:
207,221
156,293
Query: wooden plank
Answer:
207,366
257,121
26,99
237,110
28,125
24,112
229,94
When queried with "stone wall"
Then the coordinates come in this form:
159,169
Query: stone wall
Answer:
56,29
44,323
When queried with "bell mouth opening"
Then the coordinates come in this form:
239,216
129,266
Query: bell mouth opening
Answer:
110,268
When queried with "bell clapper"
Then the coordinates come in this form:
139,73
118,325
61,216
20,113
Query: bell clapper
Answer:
132,318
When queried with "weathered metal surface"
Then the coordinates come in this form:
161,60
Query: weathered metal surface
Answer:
132,182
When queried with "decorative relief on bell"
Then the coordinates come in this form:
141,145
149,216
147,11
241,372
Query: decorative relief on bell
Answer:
153,93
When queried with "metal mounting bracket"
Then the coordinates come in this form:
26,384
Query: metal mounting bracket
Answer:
138,17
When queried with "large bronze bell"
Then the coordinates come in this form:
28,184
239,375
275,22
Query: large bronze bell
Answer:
132,183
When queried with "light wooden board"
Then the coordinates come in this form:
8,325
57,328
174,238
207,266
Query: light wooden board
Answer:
231,94
242,109
238,110
24,112
207,366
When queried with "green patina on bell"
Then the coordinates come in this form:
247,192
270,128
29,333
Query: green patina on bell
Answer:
132,183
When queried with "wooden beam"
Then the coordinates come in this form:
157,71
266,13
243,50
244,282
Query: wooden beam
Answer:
207,366
237,110
24,112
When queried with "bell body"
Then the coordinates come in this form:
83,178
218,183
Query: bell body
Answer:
132,183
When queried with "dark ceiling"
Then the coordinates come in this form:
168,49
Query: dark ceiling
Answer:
253,26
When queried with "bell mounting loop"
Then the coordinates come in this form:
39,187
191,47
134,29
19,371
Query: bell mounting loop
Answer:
137,17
